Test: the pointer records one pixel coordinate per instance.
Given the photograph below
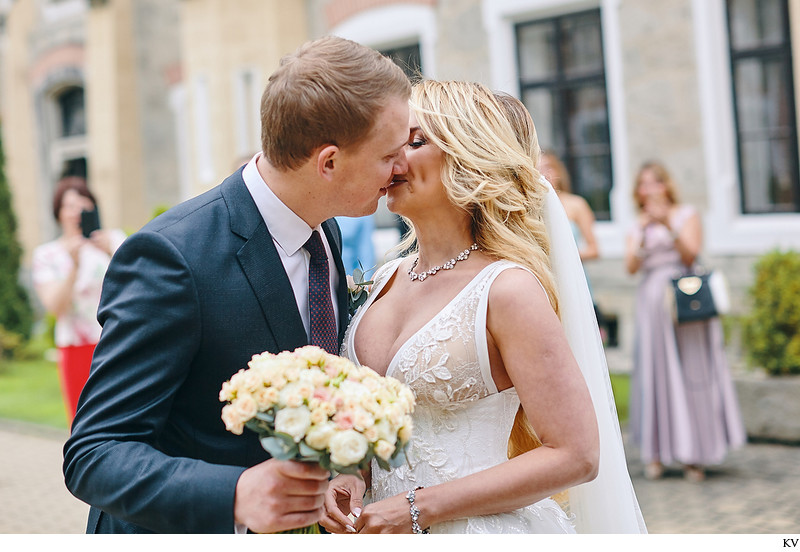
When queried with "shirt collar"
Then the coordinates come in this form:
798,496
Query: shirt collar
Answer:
289,231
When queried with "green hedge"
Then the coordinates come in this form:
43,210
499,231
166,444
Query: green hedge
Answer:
16,315
771,330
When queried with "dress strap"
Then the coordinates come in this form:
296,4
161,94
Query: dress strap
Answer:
481,339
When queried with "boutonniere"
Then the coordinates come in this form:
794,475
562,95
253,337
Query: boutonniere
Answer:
357,290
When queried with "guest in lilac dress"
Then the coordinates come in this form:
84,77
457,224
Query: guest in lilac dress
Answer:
683,403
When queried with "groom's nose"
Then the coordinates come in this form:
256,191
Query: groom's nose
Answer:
401,163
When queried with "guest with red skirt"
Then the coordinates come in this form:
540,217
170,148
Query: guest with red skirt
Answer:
68,277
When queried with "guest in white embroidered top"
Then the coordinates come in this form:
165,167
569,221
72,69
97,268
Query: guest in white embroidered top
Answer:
68,277
477,338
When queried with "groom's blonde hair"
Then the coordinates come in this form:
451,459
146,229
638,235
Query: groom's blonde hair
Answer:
329,91
491,152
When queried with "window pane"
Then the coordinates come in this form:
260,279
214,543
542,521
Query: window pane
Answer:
755,23
542,105
767,174
594,174
587,115
536,43
408,58
581,45
762,95
73,118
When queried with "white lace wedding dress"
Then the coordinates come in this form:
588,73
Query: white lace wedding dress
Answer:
461,421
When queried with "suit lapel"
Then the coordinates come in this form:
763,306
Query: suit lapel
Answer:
262,267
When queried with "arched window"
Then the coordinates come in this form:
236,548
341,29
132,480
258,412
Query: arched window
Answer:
72,112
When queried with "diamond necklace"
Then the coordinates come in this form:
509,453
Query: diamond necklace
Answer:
446,266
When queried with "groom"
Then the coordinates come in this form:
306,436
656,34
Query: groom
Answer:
192,296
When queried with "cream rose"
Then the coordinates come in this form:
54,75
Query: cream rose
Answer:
348,447
245,405
291,395
319,436
293,421
233,422
384,449
405,432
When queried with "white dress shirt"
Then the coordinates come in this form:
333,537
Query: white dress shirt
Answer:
290,233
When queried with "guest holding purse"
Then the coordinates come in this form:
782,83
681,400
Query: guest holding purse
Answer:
683,403
68,276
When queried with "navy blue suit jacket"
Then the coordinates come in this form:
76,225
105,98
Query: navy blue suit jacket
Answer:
186,302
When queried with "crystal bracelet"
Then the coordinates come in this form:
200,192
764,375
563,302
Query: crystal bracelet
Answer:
415,528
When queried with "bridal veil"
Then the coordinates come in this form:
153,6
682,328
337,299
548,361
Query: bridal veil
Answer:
607,504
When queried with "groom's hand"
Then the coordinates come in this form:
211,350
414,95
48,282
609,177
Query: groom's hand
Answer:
276,496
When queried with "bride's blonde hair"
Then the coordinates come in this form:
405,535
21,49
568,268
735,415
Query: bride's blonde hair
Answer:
489,171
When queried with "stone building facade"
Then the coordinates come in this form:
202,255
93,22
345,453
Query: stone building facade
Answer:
172,89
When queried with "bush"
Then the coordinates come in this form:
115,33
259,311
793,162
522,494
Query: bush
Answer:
10,342
16,315
771,331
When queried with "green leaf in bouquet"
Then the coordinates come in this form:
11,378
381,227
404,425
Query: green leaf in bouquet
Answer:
325,462
350,470
268,417
307,453
398,458
262,428
280,446
384,465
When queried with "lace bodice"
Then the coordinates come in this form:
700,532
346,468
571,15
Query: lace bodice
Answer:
461,421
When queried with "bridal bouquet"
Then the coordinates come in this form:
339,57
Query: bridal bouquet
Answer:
311,406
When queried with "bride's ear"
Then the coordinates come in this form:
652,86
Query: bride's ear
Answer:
327,160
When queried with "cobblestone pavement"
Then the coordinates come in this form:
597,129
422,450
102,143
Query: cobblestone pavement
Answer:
756,490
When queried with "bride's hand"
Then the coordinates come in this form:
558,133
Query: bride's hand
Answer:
390,515
345,496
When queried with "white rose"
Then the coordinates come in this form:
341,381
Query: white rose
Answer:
354,390
384,450
319,436
293,421
385,431
348,447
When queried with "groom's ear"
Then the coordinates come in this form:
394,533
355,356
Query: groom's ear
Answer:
327,160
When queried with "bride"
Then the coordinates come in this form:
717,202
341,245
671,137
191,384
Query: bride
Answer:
513,429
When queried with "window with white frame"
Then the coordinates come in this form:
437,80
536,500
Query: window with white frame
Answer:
408,58
247,91
764,107
562,81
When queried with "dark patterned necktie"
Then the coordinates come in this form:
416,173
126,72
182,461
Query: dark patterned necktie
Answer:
322,319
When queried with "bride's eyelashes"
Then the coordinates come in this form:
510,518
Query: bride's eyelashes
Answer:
417,143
